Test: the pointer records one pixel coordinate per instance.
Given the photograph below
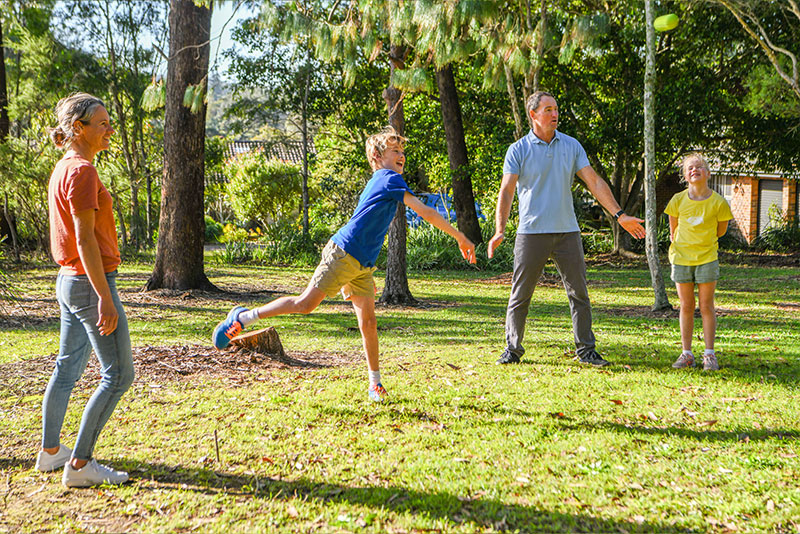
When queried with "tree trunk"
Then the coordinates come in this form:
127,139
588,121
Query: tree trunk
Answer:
5,126
396,289
537,70
661,301
305,151
181,227
463,197
519,128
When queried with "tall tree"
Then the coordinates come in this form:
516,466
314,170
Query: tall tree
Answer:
395,290
181,229
661,302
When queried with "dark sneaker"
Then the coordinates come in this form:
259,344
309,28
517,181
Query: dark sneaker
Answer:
508,357
228,329
592,358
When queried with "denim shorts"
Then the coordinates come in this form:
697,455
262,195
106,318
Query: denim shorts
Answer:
696,274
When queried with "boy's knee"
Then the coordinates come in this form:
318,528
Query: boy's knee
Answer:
369,322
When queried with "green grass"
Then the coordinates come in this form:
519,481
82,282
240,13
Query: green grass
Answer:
463,445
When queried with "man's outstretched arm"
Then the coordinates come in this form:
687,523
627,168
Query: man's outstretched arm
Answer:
600,190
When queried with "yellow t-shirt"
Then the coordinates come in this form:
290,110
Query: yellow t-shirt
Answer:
695,239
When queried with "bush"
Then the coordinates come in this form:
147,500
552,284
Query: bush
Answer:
781,236
214,230
262,189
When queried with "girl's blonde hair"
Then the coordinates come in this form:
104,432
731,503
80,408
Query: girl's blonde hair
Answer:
75,107
685,163
379,142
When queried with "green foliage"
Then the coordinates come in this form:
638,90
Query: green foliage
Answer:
214,230
154,96
782,235
768,95
262,189
9,285
195,97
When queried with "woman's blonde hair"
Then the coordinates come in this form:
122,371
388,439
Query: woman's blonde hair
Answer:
689,157
377,143
75,107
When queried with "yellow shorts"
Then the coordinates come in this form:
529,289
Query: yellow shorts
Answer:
338,270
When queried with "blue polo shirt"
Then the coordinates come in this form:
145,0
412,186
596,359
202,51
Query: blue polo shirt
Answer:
546,172
362,237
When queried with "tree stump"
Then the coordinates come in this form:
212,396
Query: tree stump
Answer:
265,341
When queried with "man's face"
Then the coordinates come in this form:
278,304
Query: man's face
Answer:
545,117
393,158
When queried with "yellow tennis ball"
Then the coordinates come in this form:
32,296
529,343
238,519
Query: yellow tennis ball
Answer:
665,23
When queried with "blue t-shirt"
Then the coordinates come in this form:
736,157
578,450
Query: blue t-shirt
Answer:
362,236
546,172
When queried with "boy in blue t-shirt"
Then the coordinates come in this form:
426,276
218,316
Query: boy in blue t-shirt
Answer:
348,260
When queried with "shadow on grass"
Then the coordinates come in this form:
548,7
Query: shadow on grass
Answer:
741,434
464,510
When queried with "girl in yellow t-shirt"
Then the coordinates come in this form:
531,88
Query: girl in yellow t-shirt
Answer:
698,217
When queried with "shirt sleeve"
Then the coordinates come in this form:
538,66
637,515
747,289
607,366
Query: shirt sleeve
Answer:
396,187
82,188
581,159
672,207
511,165
724,213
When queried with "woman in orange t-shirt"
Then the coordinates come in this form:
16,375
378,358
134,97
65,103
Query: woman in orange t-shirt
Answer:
83,241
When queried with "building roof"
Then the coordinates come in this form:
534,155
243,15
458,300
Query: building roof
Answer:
287,150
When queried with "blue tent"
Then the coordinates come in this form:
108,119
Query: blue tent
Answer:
441,203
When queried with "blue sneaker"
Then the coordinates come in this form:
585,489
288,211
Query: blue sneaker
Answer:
228,329
377,393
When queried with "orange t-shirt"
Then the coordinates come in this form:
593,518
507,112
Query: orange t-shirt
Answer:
75,187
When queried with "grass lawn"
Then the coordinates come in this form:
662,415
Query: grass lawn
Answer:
463,445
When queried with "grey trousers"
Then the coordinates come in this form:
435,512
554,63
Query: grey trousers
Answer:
531,252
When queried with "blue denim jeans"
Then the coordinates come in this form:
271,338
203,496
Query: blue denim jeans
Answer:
79,335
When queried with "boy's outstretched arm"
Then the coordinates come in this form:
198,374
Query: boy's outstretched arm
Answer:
466,246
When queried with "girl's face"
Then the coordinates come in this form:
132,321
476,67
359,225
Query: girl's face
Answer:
695,171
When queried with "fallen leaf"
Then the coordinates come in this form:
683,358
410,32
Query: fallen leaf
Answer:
453,366
557,415
628,367
616,401
725,471
710,422
638,519
770,505
524,480
652,416
461,460
635,486
292,511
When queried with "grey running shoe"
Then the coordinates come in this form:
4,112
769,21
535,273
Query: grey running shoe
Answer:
686,359
710,362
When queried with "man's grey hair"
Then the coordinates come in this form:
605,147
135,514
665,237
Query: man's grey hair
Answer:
533,101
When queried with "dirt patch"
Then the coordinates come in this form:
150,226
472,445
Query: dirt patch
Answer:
645,311
546,280
788,306
180,363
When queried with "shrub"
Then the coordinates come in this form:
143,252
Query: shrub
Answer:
214,230
782,236
262,189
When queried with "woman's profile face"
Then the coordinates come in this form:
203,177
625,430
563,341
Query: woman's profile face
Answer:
97,132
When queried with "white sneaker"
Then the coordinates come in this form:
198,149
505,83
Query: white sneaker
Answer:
50,462
91,474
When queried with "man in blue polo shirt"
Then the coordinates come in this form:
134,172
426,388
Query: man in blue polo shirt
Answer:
541,167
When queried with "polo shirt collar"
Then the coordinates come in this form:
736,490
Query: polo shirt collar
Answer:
535,138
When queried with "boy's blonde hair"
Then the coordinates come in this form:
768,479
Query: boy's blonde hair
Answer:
687,158
379,142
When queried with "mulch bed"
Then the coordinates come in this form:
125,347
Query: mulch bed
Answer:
179,363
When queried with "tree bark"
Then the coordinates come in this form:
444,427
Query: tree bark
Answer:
5,125
661,301
396,289
519,128
463,197
181,228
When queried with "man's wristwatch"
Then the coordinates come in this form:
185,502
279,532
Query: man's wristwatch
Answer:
617,215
